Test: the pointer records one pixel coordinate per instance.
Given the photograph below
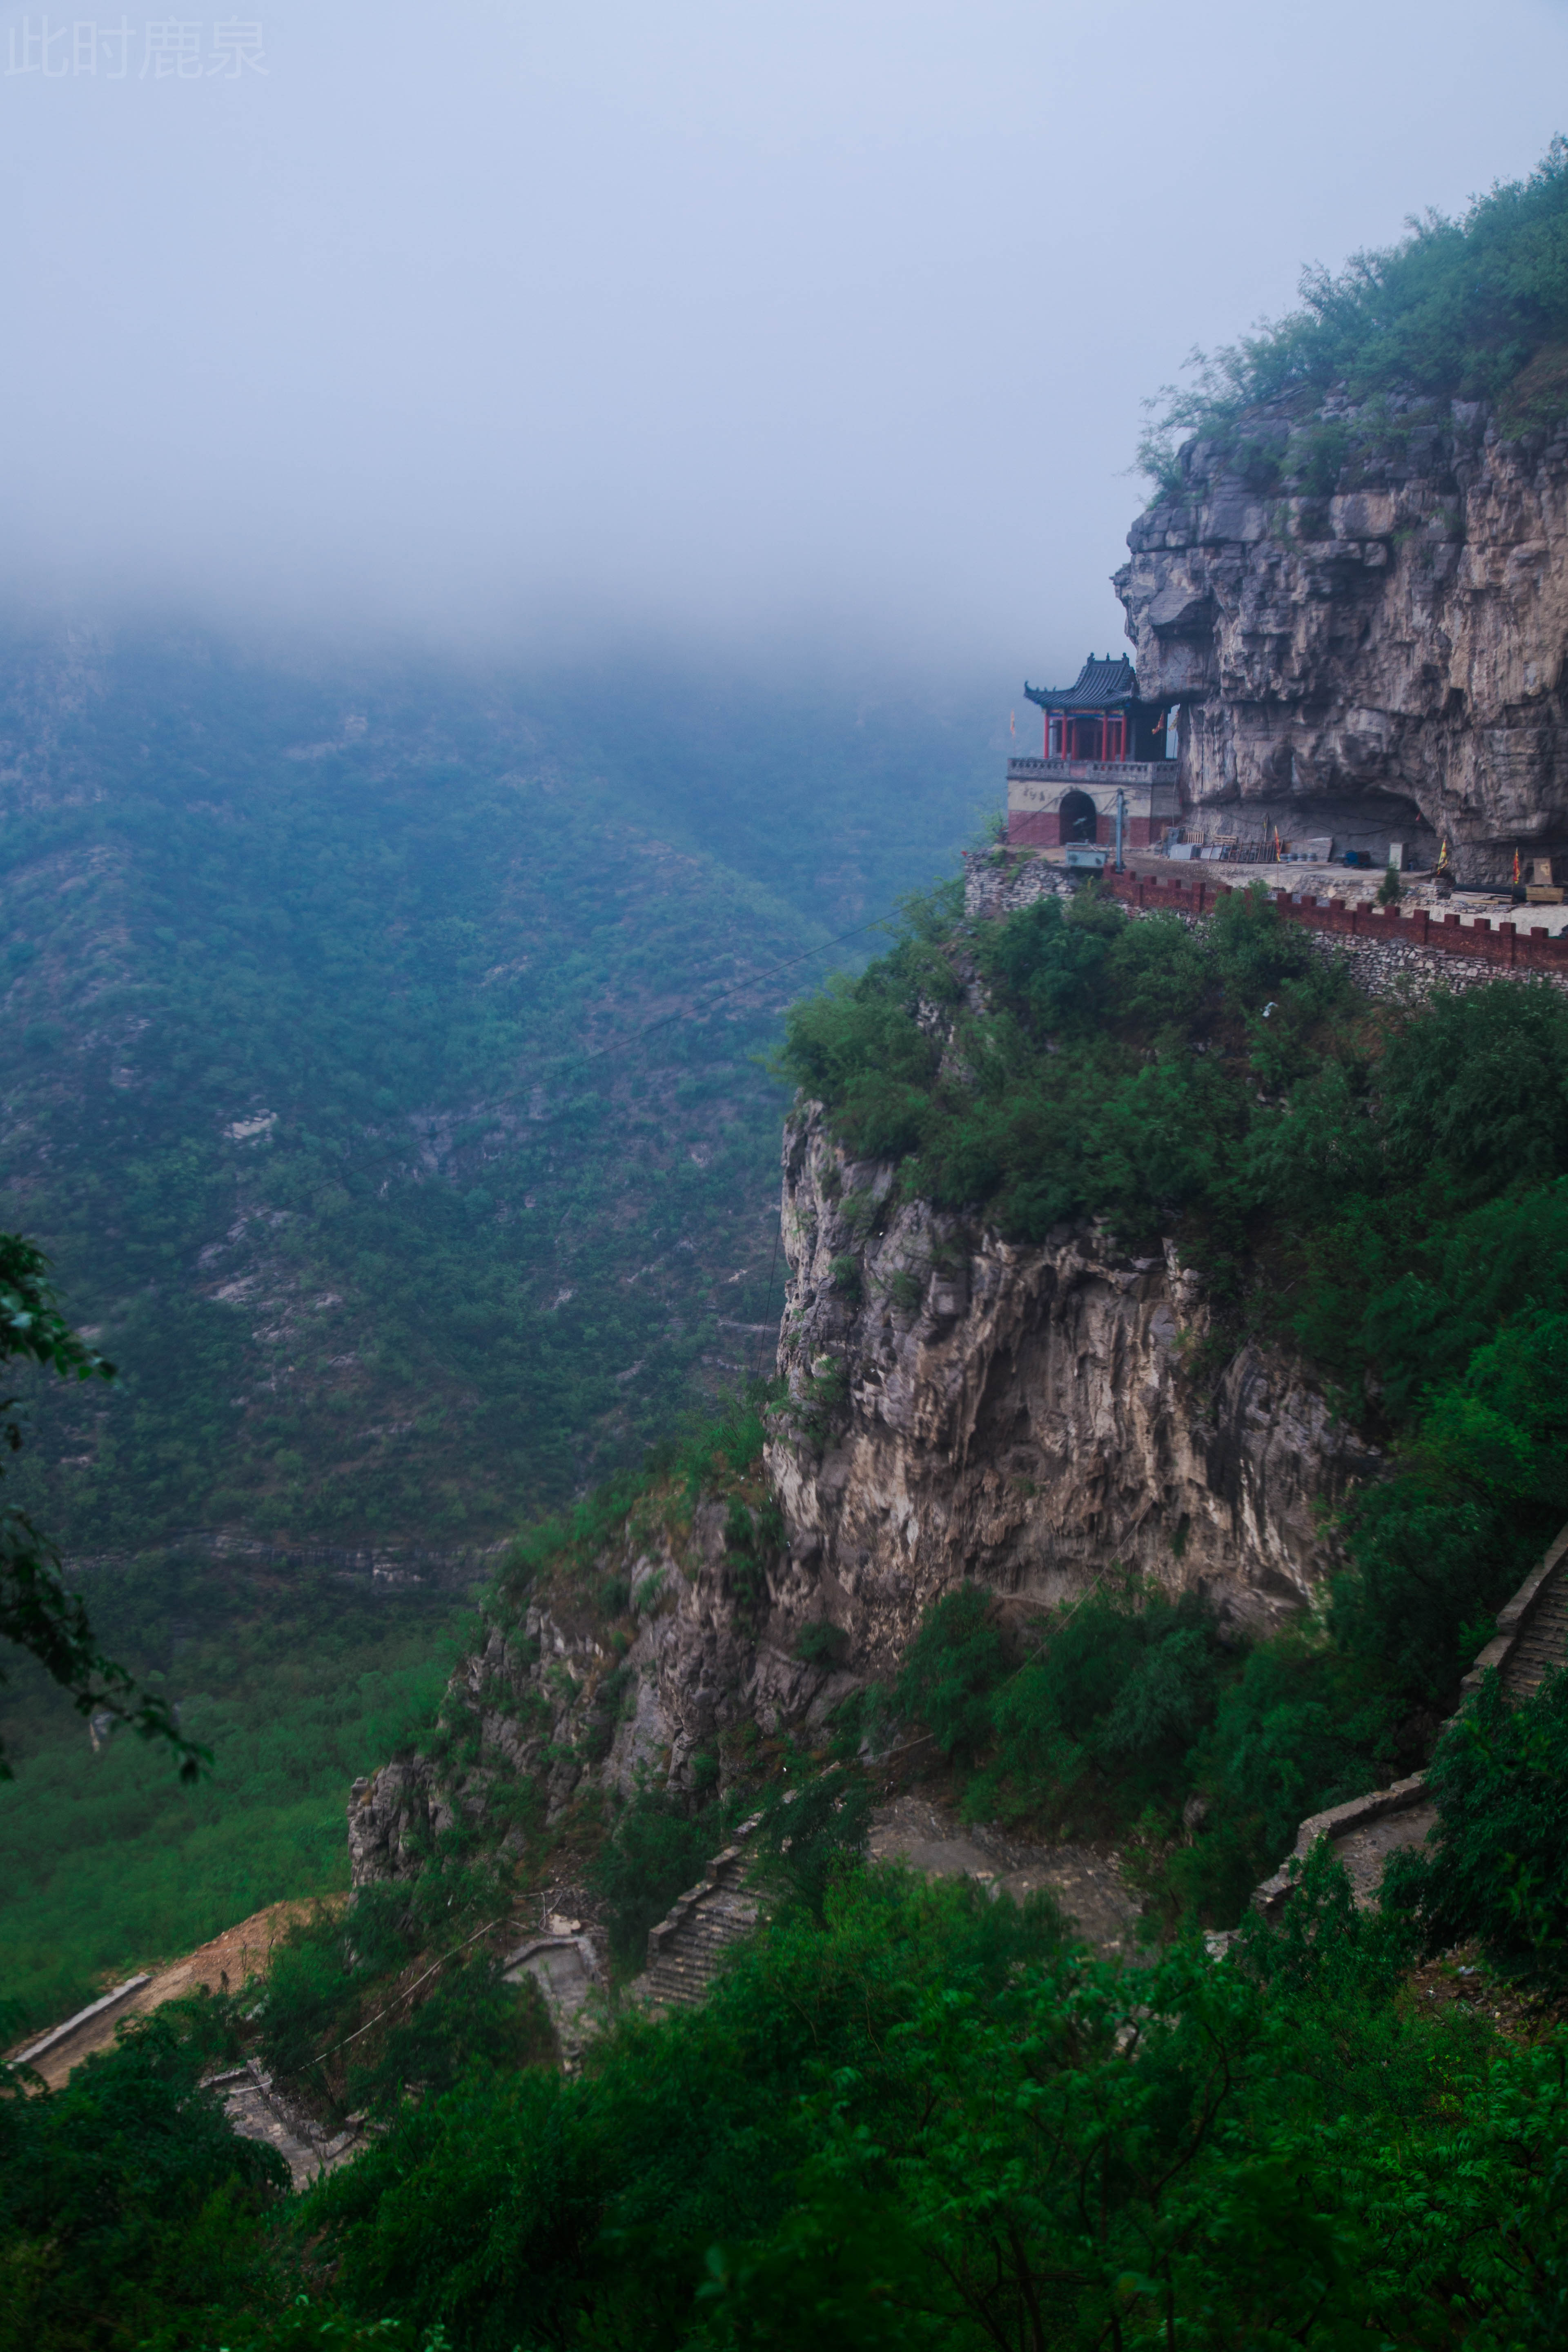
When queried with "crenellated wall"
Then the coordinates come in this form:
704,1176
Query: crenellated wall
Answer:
1384,946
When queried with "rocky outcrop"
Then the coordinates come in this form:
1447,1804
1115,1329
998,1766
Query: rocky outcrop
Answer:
960,1407
698,1638
963,1407
1364,621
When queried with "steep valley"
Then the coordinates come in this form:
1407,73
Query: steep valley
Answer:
381,1075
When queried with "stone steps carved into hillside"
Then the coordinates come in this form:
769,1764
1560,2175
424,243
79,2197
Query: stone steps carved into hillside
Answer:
1531,1642
685,1948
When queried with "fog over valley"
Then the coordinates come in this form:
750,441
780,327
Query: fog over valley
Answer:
783,1176
710,323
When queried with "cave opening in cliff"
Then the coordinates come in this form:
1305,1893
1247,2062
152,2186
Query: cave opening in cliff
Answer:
1079,817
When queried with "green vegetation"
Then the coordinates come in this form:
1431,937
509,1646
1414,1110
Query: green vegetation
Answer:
380,1065
337,2018
907,2113
295,1681
659,1847
1500,1874
922,2119
1387,1191
1471,309
379,1062
127,2202
38,1615
1115,1071
1113,1716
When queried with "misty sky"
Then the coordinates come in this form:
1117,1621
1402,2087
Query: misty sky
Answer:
748,319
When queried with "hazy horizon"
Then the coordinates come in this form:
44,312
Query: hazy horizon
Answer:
814,334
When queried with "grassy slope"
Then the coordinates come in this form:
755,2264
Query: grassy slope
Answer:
496,1239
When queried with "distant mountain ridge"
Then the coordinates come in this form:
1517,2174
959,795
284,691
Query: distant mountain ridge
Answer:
302,976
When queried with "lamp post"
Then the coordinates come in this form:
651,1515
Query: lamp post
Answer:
1121,821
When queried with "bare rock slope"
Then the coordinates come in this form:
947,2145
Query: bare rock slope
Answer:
958,1407
964,1406
1383,655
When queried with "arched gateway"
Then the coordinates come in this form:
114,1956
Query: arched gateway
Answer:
1100,744
1079,817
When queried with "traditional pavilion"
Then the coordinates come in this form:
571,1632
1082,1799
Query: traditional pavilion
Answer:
1099,741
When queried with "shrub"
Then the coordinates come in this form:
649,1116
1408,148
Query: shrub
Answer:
844,1273
126,2202
951,1668
658,1849
1497,1869
821,1643
906,1289
333,2019
813,1824
1098,1724
1460,306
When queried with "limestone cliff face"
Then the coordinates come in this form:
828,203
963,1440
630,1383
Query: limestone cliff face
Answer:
1386,660
572,1696
958,1407
963,1406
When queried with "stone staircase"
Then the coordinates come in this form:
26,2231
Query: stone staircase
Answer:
687,1946
1540,1645
1531,1642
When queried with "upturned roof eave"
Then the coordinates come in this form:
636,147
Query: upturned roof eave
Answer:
1099,686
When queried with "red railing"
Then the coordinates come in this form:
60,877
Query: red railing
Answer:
1533,949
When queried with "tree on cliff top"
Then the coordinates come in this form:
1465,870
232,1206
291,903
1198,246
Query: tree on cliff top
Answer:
1470,308
37,1611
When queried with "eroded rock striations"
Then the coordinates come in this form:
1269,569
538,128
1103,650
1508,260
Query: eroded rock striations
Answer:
964,1406
1385,658
958,1407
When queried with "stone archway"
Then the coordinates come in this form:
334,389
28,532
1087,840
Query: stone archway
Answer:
1079,817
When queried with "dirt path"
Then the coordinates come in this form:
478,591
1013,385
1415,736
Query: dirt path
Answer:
221,1966
1085,1880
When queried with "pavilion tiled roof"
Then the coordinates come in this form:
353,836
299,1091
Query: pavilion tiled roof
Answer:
1100,685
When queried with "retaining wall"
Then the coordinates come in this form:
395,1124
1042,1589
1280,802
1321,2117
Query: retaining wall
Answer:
1408,940
1386,948
1341,1821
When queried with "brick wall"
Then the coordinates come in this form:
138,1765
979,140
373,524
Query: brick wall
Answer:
1042,829
1384,946
1502,947
1386,949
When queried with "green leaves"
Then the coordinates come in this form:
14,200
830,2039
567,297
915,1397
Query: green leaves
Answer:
1457,308
951,1669
127,2204
1496,1870
38,1612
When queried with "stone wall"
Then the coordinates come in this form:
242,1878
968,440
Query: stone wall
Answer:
1386,950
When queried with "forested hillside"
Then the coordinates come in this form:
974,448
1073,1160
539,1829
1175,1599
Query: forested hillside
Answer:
331,1089
381,1073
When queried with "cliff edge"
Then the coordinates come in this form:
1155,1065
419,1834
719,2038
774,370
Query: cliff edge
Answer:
961,1406
1362,614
